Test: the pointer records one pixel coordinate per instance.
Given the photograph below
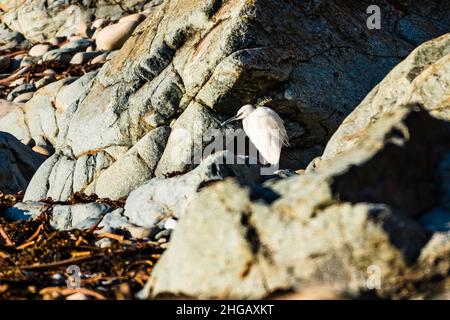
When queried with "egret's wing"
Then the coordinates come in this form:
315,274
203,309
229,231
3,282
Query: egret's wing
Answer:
266,131
282,134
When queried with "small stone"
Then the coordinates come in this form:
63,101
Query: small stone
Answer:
39,50
58,278
59,55
84,57
17,82
49,72
139,232
100,23
137,17
162,234
114,36
24,97
44,81
78,45
26,87
91,48
43,150
29,61
100,59
75,38
77,296
56,40
170,224
5,61
103,243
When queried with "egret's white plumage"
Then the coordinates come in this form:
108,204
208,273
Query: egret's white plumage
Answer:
265,129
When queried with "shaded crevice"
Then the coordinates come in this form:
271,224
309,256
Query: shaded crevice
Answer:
376,182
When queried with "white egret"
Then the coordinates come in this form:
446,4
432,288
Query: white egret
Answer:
265,129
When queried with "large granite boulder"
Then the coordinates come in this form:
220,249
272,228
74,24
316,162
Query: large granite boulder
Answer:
352,224
199,61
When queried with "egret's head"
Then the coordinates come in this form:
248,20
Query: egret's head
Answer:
242,113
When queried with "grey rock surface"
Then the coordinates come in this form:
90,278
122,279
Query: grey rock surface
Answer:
132,169
423,77
18,163
189,55
162,198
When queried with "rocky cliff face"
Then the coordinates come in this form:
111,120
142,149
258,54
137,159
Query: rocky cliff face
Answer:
374,199
200,60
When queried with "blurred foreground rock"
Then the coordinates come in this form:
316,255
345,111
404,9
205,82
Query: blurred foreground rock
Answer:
330,227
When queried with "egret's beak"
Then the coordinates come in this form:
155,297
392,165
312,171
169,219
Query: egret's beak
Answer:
236,117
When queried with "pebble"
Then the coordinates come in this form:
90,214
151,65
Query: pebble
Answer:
162,234
137,17
5,61
44,81
100,23
39,50
49,72
59,278
26,87
77,45
103,243
77,296
114,36
170,224
17,82
45,151
24,97
75,38
59,55
84,57
29,61
100,59
56,40
139,232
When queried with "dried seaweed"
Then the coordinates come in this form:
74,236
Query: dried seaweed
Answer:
34,264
